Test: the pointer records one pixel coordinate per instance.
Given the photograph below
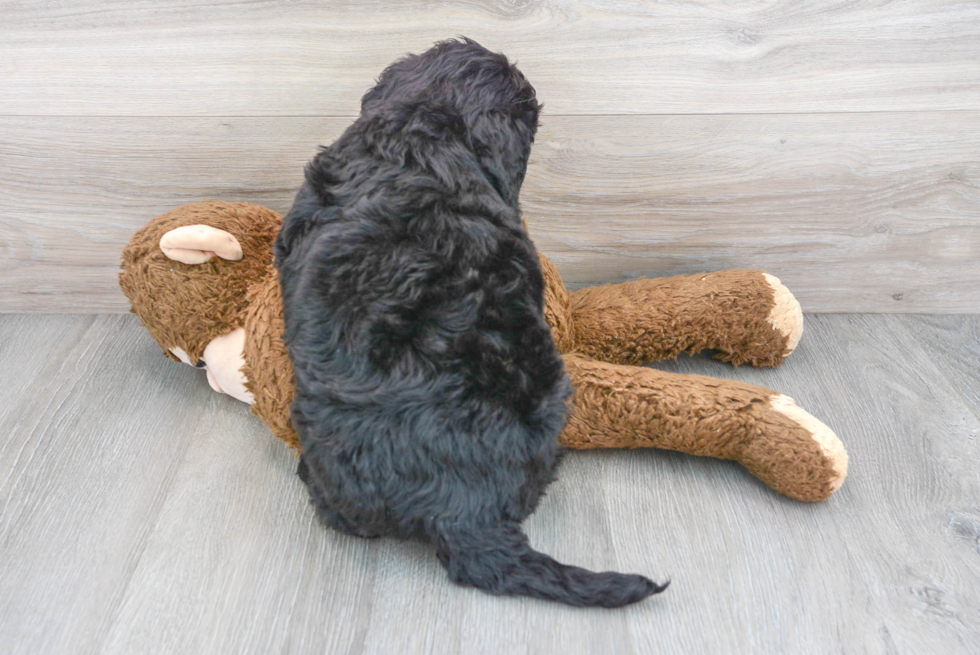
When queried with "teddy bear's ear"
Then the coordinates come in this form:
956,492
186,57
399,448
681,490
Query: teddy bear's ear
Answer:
196,244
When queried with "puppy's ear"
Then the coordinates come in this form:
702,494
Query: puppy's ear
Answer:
323,174
196,244
323,177
298,222
433,121
502,144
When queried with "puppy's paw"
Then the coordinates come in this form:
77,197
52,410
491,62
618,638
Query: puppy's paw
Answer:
786,316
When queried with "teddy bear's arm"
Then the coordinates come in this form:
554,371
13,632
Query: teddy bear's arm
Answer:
747,315
619,406
267,368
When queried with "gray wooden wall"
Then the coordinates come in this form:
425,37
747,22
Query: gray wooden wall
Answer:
835,144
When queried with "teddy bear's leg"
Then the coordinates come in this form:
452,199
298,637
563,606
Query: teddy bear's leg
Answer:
749,316
620,406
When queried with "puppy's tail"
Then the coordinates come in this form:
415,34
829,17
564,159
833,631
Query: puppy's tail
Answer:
499,560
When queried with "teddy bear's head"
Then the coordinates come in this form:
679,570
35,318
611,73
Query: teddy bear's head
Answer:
187,273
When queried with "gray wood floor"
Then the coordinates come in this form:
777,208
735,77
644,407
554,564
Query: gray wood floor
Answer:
142,513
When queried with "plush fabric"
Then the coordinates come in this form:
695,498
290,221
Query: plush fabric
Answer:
662,317
186,306
616,404
268,369
646,408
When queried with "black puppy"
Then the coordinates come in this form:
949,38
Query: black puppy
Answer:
429,392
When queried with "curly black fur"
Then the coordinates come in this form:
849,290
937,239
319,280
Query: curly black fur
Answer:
429,392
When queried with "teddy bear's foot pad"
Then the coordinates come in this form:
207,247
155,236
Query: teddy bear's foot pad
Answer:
786,316
794,453
828,442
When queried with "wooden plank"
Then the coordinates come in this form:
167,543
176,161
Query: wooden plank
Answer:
237,562
155,516
176,58
857,212
94,427
890,563
954,343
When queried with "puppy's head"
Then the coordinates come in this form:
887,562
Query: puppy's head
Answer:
460,91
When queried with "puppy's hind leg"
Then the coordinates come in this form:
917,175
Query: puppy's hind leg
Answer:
324,511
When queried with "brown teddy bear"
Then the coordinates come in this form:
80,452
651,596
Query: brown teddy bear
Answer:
202,281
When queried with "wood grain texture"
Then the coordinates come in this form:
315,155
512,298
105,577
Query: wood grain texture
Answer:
962,365
93,433
185,57
854,214
911,520
143,513
863,212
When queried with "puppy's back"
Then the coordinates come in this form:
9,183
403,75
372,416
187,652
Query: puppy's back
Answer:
429,393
